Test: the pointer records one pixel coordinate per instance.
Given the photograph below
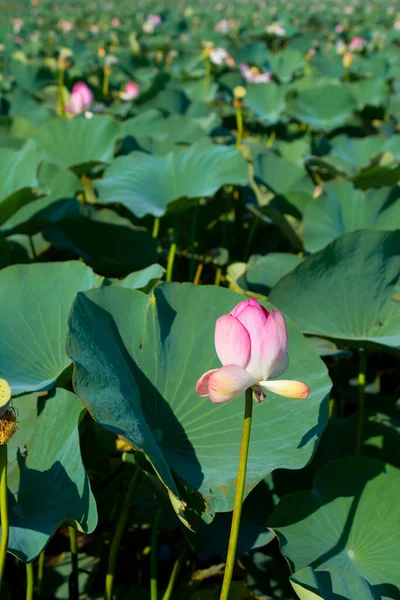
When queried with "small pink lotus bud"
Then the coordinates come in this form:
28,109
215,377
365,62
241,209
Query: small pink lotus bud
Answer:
81,98
131,91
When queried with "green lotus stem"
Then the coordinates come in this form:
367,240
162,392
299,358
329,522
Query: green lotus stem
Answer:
361,400
106,80
252,231
207,79
156,228
174,574
271,139
3,510
193,230
32,245
29,581
239,122
218,275
60,90
40,572
170,263
197,276
154,556
119,530
237,508
73,578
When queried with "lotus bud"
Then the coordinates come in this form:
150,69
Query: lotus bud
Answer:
347,60
239,92
131,91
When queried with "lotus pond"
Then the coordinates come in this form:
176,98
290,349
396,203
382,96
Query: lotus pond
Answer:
200,300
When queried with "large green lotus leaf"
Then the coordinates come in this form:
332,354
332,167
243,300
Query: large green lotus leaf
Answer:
353,154
372,92
342,208
137,360
349,521
278,173
169,101
324,107
255,53
329,64
29,76
18,174
212,539
79,142
144,124
204,115
331,584
24,107
47,480
164,135
263,272
110,244
60,184
143,280
377,175
288,180
34,304
285,64
197,91
393,107
345,291
295,151
147,184
372,66
267,100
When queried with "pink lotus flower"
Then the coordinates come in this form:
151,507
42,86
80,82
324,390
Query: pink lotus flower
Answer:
218,56
252,344
17,24
81,98
225,25
357,43
154,20
65,25
115,22
253,74
339,28
131,91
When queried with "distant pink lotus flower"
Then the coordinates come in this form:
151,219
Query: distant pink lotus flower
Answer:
94,29
154,20
339,28
115,22
131,91
81,99
219,56
357,43
65,25
17,24
251,343
225,25
253,74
